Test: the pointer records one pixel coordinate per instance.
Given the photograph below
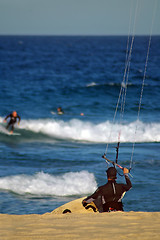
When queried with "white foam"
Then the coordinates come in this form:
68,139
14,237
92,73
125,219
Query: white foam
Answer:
72,183
92,84
103,132
97,133
4,130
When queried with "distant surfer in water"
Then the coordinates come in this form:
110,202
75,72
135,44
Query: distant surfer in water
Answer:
13,119
108,197
60,111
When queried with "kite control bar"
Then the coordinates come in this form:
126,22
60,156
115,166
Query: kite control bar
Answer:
115,164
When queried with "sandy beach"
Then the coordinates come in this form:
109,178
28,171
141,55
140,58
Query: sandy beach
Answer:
115,225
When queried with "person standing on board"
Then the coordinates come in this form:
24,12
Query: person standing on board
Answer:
13,119
108,197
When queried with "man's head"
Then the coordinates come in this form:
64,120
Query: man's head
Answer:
14,113
111,173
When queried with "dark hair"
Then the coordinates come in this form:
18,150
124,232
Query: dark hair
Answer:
111,173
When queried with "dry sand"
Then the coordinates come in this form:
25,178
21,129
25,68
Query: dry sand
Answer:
114,225
80,224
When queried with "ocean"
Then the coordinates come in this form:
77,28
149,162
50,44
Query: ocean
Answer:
58,158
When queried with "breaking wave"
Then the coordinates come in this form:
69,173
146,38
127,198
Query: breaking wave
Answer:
72,183
78,130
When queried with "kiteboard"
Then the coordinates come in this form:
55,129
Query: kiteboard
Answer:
58,113
14,134
75,206
3,130
53,113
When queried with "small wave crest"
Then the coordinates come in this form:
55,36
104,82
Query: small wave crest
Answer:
78,130
112,84
72,183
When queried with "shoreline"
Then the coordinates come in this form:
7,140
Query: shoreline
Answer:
114,225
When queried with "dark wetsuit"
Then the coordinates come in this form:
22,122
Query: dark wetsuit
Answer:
109,196
60,111
12,121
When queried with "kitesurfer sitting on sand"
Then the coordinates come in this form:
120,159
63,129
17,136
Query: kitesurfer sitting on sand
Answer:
13,119
109,196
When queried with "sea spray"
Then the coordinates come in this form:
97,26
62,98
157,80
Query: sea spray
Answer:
72,183
103,132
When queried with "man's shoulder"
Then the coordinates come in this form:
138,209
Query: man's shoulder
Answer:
103,186
9,115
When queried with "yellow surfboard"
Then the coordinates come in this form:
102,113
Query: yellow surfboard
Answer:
75,206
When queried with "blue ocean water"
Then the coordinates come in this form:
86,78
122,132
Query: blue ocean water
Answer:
58,158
